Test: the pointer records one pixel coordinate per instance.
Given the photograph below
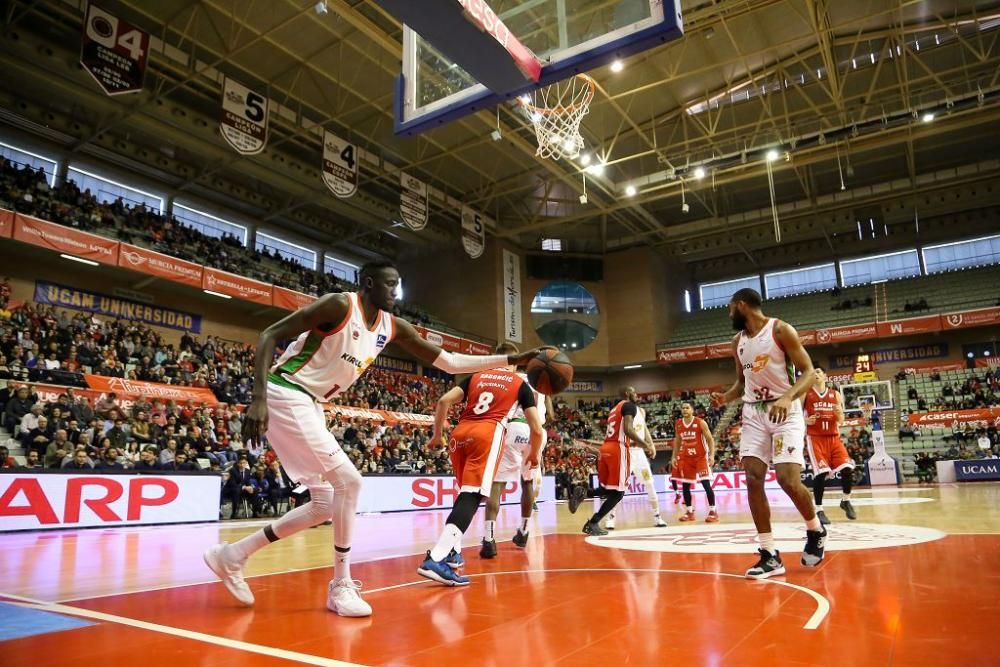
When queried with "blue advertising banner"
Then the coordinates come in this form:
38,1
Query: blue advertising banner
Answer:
114,307
977,469
393,364
894,355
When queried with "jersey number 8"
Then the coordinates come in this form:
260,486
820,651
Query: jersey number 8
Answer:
483,403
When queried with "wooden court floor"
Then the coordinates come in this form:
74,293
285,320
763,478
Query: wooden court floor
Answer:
914,581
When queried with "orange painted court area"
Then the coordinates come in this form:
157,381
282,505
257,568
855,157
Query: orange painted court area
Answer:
913,582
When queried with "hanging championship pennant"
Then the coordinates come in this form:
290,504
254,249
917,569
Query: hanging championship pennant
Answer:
114,52
473,232
244,118
413,201
340,165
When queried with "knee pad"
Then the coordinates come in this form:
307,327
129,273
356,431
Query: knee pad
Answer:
320,501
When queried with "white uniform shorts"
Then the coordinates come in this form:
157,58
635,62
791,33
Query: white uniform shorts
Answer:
773,443
516,449
296,429
640,465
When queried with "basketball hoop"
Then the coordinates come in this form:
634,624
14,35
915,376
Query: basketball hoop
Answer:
866,411
555,112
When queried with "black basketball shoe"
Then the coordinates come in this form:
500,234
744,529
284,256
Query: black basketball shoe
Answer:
489,549
848,509
576,496
812,555
769,565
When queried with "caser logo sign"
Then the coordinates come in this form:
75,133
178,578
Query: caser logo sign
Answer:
741,538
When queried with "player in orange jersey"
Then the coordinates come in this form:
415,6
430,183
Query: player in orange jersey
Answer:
694,450
824,410
476,449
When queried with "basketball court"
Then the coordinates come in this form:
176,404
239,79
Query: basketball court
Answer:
916,571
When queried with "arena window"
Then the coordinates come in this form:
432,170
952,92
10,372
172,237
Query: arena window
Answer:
109,191
209,224
962,254
340,269
288,250
800,281
890,266
714,295
687,301
21,157
564,297
552,245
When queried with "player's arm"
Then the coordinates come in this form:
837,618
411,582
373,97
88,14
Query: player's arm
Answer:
706,436
788,339
838,412
734,392
648,438
450,399
629,411
550,409
449,362
326,314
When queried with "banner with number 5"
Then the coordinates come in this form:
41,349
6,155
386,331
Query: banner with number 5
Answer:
244,118
473,232
340,165
113,52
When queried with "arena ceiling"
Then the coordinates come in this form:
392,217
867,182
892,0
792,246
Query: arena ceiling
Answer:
839,88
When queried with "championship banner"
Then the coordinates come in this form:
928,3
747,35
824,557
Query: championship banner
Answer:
114,307
135,388
113,52
6,223
512,305
984,416
971,318
473,232
340,165
893,355
413,204
237,286
287,299
911,325
162,266
65,239
244,118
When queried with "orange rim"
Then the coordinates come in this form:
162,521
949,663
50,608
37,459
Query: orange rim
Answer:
546,111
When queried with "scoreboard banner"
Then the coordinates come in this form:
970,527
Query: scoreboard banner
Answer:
113,51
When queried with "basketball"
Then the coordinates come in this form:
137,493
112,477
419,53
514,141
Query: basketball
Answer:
550,372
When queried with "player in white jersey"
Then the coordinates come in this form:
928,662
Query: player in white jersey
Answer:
337,337
514,467
767,353
642,470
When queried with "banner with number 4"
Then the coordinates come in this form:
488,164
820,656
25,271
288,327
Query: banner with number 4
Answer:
340,165
113,52
473,232
244,118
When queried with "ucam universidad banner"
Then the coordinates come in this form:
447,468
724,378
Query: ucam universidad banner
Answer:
114,307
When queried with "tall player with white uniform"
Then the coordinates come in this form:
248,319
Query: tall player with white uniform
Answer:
767,352
642,470
514,466
337,338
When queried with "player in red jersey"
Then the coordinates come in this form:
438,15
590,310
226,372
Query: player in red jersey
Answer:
614,464
694,450
476,449
824,409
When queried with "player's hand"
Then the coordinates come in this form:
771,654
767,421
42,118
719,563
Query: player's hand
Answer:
718,399
523,358
810,420
531,460
255,422
651,451
778,411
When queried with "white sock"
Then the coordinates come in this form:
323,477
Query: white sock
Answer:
845,497
250,544
711,508
766,542
689,508
654,502
524,525
814,524
450,538
342,563
489,530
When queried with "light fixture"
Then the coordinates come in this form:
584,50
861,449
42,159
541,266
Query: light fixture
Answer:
772,155
218,294
630,191
927,117
699,172
617,66
596,169
525,99
496,134
585,159
628,368
74,258
569,146
320,8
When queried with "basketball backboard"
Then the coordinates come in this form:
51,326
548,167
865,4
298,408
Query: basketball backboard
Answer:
876,394
567,37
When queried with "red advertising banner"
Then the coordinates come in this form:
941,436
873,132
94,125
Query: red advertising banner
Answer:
287,299
133,388
237,286
971,318
807,338
442,340
987,362
850,332
65,239
386,416
6,223
474,347
949,417
932,368
912,325
719,350
680,354
157,264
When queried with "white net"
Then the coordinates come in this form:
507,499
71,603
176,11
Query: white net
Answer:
555,112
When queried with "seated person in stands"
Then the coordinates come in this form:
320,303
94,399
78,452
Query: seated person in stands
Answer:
6,460
108,461
261,490
39,437
148,460
911,393
906,431
238,486
79,461
180,463
925,467
32,461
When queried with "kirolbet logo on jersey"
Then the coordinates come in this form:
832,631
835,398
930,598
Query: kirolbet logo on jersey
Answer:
359,365
759,363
